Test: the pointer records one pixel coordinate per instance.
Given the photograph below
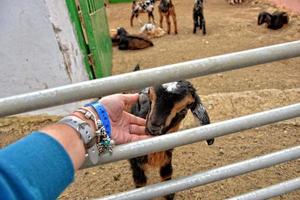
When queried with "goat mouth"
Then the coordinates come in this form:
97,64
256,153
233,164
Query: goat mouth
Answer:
153,132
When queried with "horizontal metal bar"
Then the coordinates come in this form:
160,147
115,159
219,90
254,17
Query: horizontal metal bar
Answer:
183,183
140,79
188,136
271,191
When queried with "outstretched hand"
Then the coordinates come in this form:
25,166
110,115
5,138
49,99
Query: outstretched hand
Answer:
125,126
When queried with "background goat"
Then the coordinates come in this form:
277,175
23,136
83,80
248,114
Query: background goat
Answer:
145,6
164,107
125,41
274,21
167,9
198,16
151,31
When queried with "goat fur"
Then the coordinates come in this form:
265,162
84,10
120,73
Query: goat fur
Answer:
274,21
164,107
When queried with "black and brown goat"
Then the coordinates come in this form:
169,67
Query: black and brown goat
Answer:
125,41
198,16
164,107
145,6
166,8
274,21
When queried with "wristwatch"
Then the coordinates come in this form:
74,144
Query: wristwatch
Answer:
86,134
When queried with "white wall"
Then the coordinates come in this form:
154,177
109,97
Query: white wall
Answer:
30,55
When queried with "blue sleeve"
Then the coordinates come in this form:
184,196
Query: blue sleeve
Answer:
35,167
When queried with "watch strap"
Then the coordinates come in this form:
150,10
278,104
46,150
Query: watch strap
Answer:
86,134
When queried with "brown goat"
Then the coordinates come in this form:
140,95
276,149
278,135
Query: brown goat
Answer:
166,8
164,107
125,41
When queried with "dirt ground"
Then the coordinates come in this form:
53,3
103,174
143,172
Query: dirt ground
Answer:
226,95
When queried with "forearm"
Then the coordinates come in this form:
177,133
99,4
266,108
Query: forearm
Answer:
35,167
70,139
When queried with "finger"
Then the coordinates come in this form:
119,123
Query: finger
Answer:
134,137
130,99
138,130
136,120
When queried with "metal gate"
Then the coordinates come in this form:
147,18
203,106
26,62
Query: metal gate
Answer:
140,79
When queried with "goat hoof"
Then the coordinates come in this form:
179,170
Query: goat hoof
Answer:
176,32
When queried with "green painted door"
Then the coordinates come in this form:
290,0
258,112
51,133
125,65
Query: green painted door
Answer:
95,33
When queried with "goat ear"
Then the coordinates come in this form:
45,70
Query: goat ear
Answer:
201,115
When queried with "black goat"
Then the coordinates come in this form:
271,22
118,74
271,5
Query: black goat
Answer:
145,6
125,41
274,21
198,16
164,107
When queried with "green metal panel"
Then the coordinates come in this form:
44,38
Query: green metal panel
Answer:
80,38
98,38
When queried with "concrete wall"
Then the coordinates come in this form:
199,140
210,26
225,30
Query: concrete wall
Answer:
293,5
38,47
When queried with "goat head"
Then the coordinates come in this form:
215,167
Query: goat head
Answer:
165,106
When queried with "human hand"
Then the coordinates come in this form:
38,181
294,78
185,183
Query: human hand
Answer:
125,126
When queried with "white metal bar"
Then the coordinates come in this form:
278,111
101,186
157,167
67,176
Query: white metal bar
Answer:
184,183
271,191
140,79
188,136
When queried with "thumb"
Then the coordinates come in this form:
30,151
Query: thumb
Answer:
130,99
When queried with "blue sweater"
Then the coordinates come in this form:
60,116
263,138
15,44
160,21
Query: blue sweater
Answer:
35,167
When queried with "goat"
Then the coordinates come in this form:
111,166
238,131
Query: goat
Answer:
146,6
198,16
234,1
164,107
151,31
125,41
274,21
167,9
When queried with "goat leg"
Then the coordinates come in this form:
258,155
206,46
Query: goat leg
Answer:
131,19
174,22
169,24
166,172
138,173
161,20
203,26
150,15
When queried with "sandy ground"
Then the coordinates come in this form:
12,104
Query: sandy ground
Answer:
226,95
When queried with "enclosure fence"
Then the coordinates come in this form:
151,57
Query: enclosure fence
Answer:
137,80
